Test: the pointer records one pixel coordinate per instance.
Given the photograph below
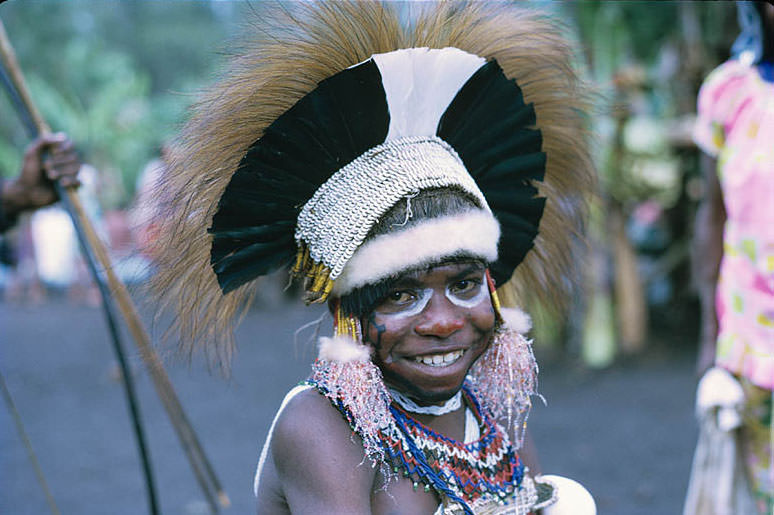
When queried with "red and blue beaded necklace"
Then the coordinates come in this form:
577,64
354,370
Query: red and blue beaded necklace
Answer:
488,467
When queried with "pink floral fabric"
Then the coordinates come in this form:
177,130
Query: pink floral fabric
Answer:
736,125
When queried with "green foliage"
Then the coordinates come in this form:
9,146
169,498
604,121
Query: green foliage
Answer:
116,76
647,60
105,109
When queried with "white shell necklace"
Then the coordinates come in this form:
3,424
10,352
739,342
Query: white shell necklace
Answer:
409,405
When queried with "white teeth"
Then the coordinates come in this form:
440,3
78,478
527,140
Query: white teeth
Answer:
439,360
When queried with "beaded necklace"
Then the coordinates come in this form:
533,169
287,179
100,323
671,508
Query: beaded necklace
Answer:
463,472
409,405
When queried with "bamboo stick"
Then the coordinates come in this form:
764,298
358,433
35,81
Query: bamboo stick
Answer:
201,466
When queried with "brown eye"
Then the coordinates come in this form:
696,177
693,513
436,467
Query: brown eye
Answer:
464,285
465,288
397,301
401,297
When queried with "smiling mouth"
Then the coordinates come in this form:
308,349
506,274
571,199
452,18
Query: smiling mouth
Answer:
440,360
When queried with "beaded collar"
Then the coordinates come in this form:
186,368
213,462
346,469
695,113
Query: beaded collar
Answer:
464,473
488,467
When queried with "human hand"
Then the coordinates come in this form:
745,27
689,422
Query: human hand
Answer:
49,158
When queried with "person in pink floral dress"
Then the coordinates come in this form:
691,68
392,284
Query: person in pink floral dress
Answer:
735,241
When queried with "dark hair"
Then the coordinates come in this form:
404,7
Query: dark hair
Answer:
427,204
430,203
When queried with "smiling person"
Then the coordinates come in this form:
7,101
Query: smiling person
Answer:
423,172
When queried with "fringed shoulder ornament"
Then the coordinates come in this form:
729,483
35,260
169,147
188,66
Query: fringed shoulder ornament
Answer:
345,374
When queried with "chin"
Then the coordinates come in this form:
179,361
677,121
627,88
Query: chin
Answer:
426,393
439,396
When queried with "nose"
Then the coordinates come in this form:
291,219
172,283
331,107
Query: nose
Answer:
440,319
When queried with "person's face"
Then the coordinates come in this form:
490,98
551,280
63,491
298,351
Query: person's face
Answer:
430,329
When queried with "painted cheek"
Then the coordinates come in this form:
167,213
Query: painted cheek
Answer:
385,334
483,319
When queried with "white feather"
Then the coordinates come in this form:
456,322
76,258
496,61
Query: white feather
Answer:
516,319
420,83
343,350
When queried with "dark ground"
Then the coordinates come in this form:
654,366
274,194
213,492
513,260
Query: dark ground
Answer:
626,433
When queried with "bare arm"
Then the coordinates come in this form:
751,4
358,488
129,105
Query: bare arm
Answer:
529,455
320,463
707,254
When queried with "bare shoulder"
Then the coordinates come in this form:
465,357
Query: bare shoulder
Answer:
306,407
319,461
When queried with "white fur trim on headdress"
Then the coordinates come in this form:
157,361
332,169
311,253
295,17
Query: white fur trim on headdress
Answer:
516,320
472,233
342,350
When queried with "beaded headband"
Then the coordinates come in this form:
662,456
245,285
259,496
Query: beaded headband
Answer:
334,223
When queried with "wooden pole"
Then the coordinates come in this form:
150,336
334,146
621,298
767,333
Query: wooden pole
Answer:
201,466
28,446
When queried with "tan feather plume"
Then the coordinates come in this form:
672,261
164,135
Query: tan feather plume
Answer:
287,52
531,48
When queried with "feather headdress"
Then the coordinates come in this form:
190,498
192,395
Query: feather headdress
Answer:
250,177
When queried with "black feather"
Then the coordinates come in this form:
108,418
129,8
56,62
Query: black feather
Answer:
324,131
492,129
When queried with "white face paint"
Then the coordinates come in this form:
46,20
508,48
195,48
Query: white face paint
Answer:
404,303
469,298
